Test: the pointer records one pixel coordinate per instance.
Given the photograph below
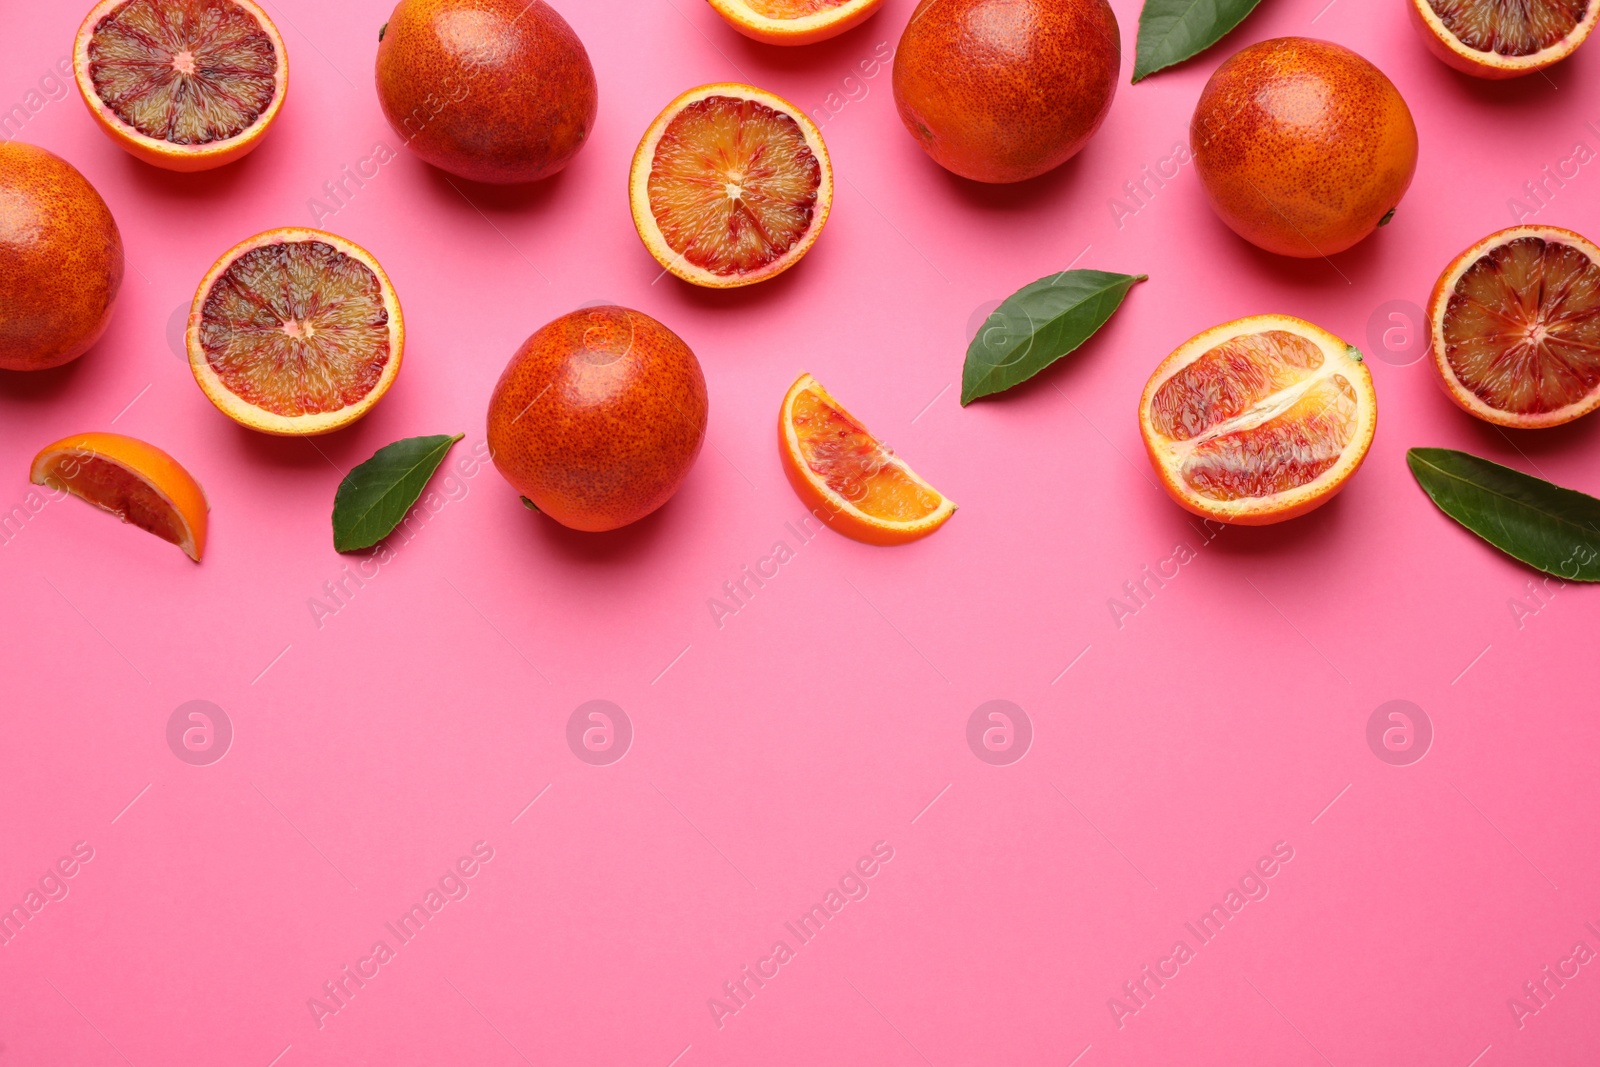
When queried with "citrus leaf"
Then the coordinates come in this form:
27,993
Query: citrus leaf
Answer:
375,496
1552,529
1170,31
1037,325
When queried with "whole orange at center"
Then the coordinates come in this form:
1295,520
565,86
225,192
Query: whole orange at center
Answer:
598,417
495,91
1005,90
1304,147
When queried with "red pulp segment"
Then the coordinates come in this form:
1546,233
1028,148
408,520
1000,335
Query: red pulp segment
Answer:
1228,380
1522,326
189,72
792,9
1511,27
854,464
297,328
113,488
733,185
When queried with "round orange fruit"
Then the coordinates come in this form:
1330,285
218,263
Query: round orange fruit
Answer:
847,477
185,85
1005,90
794,21
497,91
730,186
1258,420
1503,38
295,332
135,481
1515,323
61,260
598,417
1304,147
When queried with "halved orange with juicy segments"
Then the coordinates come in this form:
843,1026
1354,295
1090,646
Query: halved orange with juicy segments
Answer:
135,481
730,186
848,478
183,84
1258,420
1516,327
295,332
1504,38
794,21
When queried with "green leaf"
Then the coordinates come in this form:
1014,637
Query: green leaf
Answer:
1171,31
1037,325
375,496
1552,529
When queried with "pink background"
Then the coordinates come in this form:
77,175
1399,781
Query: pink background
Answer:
830,713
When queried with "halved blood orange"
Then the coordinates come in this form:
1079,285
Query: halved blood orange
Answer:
295,332
135,481
1258,420
794,21
848,478
183,84
1516,327
730,186
1503,38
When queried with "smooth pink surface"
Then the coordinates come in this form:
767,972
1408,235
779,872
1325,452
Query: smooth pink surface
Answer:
373,747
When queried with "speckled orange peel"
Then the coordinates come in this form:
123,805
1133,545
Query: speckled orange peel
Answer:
133,480
1258,420
794,22
1496,40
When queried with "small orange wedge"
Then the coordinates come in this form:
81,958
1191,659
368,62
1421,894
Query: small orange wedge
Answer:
848,478
135,481
794,21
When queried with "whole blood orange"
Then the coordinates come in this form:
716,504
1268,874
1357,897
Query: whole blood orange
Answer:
1503,38
794,21
1304,147
60,260
495,91
1259,420
1516,327
1004,90
135,481
598,417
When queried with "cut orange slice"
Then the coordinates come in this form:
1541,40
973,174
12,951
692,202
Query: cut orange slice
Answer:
183,84
295,332
1516,327
848,478
794,21
1259,420
730,186
1503,38
136,482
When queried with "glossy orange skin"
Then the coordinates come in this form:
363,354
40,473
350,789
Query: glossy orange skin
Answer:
61,260
1303,146
598,417
497,91
1005,90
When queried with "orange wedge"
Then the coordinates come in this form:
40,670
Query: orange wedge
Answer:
794,21
136,482
182,84
848,478
295,332
1503,38
1259,420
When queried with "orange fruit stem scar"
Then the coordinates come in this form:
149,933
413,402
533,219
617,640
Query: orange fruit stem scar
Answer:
135,481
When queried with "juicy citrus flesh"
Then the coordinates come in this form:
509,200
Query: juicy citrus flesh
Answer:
852,463
1521,326
1510,27
297,328
734,185
792,9
134,481
187,72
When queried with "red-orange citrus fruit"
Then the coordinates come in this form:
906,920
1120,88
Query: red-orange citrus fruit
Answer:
295,332
1304,147
730,186
847,477
1005,90
60,260
1259,420
183,84
1516,327
1503,38
598,417
794,21
135,481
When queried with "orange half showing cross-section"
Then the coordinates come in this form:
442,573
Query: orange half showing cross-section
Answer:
1259,420
794,21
